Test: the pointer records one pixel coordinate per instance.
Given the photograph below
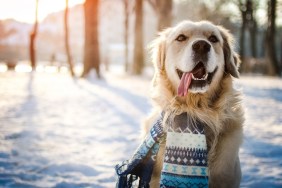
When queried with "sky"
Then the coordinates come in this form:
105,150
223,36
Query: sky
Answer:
24,10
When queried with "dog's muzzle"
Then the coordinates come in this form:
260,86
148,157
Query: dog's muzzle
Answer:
198,79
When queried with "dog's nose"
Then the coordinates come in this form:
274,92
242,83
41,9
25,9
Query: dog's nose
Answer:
201,46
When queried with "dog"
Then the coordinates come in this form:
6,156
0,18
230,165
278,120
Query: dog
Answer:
195,65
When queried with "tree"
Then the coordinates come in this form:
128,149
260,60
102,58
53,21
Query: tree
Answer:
91,43
32,38
126,23
69,58
273,67
248,23
138,63
163,9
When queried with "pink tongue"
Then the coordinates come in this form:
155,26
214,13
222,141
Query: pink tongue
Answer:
184,84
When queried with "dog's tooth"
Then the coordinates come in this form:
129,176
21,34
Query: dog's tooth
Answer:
203,78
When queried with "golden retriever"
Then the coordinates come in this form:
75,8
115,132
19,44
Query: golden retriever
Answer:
194,68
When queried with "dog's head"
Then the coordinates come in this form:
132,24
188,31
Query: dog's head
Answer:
195,56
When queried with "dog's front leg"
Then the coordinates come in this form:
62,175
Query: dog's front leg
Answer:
225,171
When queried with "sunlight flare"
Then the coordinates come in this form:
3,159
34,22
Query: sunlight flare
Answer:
23,68
3,67
23,10
51,69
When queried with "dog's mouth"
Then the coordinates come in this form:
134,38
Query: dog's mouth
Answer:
196,80
198,73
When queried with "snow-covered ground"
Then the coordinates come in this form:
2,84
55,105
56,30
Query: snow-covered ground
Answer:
60,132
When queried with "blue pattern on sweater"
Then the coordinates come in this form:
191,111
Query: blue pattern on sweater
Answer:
179,181
184,166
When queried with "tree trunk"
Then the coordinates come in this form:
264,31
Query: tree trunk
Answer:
32,38
69,58
273,68
126,16
91,43
242,36
138,64
281,54
253,38
248,23
164,11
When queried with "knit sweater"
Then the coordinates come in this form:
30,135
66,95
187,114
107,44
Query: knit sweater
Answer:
185,160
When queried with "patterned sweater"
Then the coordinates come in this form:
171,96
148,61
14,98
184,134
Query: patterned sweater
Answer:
185,160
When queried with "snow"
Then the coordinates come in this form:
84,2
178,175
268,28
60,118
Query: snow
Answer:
56,131
261,153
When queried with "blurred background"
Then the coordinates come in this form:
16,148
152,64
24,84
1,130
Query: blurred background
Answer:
56,31
75,78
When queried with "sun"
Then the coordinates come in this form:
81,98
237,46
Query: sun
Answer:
25,10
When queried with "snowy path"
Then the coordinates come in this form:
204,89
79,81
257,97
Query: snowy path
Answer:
59,132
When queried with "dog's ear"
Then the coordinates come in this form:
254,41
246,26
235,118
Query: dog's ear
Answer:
158,48
231,58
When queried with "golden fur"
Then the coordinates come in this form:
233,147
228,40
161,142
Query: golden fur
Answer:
219,107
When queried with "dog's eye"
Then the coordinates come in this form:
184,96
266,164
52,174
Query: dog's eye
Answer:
181,38
213,39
